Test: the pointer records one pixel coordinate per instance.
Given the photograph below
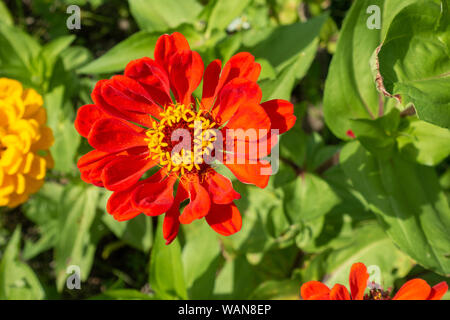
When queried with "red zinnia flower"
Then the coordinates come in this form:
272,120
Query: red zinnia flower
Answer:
416,289
134,119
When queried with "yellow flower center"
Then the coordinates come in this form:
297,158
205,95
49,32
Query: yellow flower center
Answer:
196,130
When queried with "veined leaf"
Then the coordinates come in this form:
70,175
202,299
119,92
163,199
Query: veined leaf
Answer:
166,268
414,61
408,202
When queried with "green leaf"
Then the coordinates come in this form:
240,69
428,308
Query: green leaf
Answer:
51,51
290,50
309,197
5,15
350,91
156,15
277,290
201,258
414,61
424,142
408,202
140,44
43,210
122,294
137,232
77,236
166,268
378,136
17,279
223,12
236,280
59,120
369,245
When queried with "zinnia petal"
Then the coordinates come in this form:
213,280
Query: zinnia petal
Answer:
224,219
167,45
199,205
339,292
358,280
438,291
416,289
185,72
221,189
314,290
125,171
113,135
281,114
152,77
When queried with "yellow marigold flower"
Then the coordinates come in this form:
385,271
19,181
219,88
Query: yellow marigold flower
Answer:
24,143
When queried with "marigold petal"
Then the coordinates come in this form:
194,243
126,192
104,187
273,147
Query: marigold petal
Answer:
225,219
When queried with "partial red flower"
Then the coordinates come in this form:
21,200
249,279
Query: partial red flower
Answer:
416,289
134,119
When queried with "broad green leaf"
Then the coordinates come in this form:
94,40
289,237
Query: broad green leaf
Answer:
137,232
408,202
122,294
277,290
201,259
156,15
371,246
236,280
5,15
18,54
59,120
17,279
350,91
378,135
51,51
424,142
43,210
77,236
308,197
166,268
16,47
140,44
223,12
290,50
75,57
414,60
